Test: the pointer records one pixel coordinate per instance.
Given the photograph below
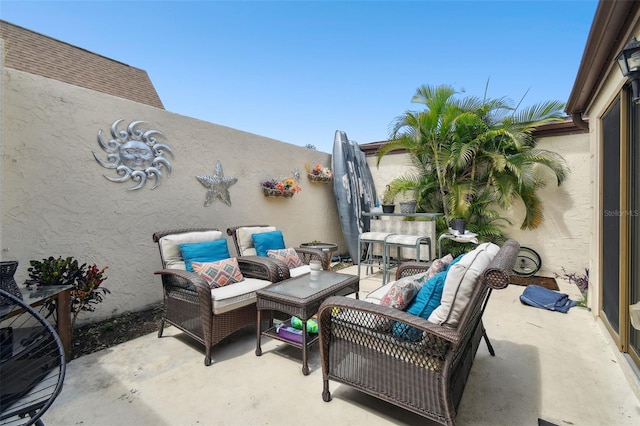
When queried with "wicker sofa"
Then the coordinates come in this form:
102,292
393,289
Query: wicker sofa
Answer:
427,374
190,304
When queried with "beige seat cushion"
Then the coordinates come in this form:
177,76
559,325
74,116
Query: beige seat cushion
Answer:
234,296
374,236
377,295
169,246
460,282
246,242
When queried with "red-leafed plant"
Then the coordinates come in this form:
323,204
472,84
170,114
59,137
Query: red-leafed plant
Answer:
84,280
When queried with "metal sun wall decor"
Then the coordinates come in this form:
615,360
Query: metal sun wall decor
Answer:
217,185
134,154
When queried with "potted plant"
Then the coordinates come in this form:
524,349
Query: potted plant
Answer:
388,198
397,186
402,185
84,281
457,225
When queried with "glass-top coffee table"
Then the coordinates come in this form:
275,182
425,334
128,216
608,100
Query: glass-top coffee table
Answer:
301,297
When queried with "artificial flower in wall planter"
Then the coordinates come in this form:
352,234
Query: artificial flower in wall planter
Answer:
280,187
319,173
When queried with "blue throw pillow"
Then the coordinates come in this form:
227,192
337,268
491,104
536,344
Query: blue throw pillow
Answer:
427,300
208,251
268,241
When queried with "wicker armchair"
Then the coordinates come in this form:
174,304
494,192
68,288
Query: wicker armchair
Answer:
192,306
244,247
426,374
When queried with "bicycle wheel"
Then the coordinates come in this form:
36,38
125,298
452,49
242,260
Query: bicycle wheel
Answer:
528,262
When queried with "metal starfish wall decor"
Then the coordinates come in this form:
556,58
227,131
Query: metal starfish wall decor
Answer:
217,185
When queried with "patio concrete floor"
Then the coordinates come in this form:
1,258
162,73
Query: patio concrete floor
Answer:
551,366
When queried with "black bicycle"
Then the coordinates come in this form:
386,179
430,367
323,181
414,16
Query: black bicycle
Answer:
528,262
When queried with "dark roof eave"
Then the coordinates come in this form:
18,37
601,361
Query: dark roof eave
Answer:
603,43
562,128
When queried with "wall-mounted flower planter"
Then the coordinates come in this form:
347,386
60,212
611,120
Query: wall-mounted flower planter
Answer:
319,178
270,192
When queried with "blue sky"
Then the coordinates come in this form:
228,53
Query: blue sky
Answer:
297,71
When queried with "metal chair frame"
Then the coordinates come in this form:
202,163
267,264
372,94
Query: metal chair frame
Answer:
32,363
399,241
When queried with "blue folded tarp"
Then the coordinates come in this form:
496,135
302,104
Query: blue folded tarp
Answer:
540,297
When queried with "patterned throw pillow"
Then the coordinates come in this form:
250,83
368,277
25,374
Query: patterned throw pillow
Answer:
402,292
399,296
288,256
439,265
220,273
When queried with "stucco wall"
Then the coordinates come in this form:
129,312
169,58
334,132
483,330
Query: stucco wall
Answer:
563,238
56,202
393,165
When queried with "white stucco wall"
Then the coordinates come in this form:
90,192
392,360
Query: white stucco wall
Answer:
392,166
563,239
55,200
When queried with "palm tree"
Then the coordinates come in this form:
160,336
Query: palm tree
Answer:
474,153
494,150
426,136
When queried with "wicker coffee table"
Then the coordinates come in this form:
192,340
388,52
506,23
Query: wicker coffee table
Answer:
301,297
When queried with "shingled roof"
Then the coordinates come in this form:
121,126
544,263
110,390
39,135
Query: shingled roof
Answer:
31,52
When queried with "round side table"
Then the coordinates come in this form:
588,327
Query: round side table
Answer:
327,248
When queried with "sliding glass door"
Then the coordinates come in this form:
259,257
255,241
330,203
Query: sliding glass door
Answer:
610,242
634,222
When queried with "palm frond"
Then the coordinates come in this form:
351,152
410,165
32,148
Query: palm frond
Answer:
552,160
541,113
533,210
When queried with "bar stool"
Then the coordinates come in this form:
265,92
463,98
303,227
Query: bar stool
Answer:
400,241
368,239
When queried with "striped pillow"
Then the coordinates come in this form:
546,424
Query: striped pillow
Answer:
220,273
287,255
